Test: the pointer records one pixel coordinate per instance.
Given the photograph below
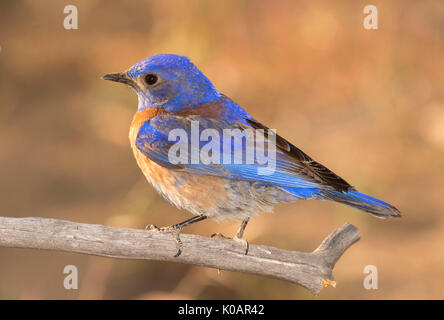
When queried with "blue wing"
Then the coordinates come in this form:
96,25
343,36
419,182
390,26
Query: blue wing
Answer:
162,138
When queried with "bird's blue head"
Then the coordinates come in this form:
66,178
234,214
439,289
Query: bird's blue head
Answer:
169,81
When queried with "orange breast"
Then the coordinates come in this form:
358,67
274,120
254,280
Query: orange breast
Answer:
149,168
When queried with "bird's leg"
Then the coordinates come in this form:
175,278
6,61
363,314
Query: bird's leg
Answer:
238,237
175,230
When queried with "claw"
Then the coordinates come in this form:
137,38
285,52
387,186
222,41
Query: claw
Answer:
179,244
174,232
219,235
242,241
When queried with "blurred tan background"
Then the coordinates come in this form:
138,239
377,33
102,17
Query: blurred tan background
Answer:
367,104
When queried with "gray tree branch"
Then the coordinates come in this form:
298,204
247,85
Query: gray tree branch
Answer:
310,270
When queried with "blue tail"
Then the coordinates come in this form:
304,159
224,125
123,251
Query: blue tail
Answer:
352,199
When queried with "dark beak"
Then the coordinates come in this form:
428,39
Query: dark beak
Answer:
121,77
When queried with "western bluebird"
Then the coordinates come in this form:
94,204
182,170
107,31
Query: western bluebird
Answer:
173,94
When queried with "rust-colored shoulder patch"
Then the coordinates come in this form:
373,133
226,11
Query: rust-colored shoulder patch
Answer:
213,110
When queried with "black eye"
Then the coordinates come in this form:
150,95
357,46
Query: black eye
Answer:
151,79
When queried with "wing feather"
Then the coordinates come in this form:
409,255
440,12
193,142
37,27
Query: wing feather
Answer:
293,167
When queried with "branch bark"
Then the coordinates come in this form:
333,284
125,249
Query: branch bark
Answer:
310,270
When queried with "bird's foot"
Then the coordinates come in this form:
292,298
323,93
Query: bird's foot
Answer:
242,241
174,232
